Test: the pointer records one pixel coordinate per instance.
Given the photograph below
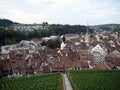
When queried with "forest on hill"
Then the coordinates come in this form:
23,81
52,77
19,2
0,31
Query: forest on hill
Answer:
10,36
107,27
6,22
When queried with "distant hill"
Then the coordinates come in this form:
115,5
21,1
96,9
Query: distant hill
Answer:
107,27
6,23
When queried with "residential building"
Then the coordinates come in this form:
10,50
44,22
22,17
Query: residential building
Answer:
99,53
71,36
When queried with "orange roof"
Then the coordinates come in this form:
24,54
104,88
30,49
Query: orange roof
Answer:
101,65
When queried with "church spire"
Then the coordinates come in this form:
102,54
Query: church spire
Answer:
87,38
87,31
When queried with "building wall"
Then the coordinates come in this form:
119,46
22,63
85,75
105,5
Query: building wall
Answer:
71,36
98,53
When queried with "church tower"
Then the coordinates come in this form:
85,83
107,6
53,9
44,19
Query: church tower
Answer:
87,36
63,45
97,36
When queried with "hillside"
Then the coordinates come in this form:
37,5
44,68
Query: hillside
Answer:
51,81
6,23
10,36
108,27
95,79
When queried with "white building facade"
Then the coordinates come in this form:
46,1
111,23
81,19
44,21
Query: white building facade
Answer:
71,36
99,53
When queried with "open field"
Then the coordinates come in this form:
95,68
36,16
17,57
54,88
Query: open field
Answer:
52,81
94,79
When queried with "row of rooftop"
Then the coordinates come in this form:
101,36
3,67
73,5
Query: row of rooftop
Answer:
77,52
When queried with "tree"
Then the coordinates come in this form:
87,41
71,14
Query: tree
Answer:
111,37
5,22
10,41
44,25
117,30
0,70
53,43
10,36
43,43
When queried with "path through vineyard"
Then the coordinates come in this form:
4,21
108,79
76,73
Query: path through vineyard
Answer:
67,84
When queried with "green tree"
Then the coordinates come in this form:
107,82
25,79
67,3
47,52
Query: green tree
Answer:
10,36
10,41
111,37
53,43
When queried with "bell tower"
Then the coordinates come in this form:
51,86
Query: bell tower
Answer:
87,36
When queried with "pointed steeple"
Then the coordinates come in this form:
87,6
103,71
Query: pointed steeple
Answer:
97,36
87,38
87,31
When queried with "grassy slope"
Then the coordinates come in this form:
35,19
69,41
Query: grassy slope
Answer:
52,81
95,79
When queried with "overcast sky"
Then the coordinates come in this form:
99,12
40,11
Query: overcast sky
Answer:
61,11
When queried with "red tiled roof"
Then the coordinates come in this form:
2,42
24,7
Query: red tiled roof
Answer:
101,65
